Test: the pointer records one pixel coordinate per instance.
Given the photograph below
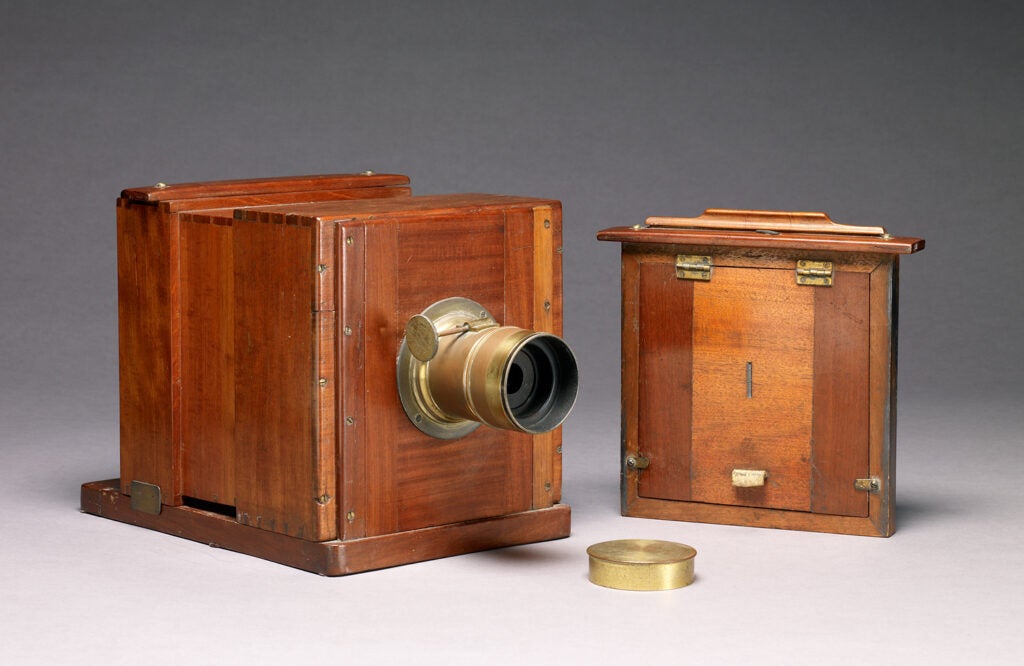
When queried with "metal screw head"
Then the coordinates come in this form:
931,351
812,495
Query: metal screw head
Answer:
350,240
351,515
349,420
323,382
321,268
368,173
348,330
547,306
547,224
160,186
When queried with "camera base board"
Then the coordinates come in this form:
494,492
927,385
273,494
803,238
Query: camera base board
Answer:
336,557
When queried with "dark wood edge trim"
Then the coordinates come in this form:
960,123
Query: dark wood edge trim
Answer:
896,245
333,558
697,512
215,188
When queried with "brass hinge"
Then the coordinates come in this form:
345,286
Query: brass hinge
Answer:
693,267
146,497
814,273
871,485
637,462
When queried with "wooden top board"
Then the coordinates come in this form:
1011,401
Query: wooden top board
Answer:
219,188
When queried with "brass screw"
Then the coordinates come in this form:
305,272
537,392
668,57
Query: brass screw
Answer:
559,450
547,224
368,173
350,240
351,515
547,306
323,382
547,485
349,420
559,249
321,268
348,330
160,186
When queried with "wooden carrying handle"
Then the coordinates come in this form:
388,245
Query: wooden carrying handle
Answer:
764,220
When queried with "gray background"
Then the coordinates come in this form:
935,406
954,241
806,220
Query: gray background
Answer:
906,115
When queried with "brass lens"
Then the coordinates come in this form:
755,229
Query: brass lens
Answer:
502,376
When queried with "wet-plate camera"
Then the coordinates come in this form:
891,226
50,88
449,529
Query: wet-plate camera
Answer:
330,373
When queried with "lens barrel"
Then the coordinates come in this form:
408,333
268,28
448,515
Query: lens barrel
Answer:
501,376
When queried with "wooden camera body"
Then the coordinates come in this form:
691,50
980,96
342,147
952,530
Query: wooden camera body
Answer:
759,370
262,325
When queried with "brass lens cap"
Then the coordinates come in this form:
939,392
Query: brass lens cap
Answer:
641,564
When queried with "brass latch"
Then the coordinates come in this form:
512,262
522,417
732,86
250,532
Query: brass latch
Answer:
693,267
814,273
867,485
637,462
146,497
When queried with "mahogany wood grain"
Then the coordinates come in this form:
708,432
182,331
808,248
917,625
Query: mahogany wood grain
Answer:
799,241
147,349
763,318
839,452
489,472
724,514
764,220
207,362
546,309
353,453
822,409
382,334
665,369
335,557
884,307
287,319
251,186
237,200
176,369
629,422
278,479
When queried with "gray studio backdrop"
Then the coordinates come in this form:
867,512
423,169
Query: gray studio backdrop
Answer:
906,115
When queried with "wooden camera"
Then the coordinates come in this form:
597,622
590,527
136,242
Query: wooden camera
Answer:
759,370
305,365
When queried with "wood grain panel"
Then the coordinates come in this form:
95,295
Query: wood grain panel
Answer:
486,473
150,451
458,255
760,317
332,558
207,365
794,241
277,477
352,300
628,423
546,305
884,307
240,200
381,408
839,452
664,383
254,186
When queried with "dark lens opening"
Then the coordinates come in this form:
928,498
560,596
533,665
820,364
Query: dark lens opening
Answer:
541,384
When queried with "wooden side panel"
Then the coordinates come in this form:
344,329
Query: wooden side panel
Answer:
664,381
884,281
557,323
147,349
629,479
239,200
278,479
488,472
351,418
762,318
839,453
207,362
381,407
